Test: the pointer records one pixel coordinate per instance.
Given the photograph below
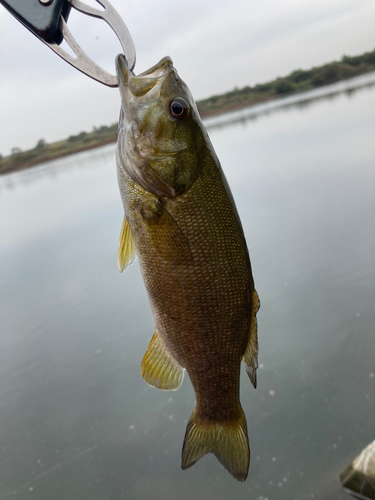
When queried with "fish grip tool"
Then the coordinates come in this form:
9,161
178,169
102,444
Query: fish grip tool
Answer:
47,19
40,17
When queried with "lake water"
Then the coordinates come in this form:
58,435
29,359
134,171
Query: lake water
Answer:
78,421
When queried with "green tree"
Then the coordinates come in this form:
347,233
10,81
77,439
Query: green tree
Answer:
282,87
77,138
300,75
263,87
41,144
352,61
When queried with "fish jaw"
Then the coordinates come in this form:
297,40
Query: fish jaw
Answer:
134,88
158,151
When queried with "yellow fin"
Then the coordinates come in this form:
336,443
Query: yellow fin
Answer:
158,367
250,358
126,247
228,441
166,234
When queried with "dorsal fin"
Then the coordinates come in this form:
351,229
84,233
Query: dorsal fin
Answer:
126,246
158,367
250,358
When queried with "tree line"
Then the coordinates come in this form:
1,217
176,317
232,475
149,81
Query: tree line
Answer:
297,81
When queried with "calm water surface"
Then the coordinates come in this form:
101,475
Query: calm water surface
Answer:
78,421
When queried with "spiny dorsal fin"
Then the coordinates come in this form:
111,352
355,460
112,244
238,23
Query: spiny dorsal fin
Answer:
250,358
126,247
228,441
158,367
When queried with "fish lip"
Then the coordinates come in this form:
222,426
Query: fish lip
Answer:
123,72
158,67
159,71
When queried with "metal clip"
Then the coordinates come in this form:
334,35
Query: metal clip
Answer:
82,62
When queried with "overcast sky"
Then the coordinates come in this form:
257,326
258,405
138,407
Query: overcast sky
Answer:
215,45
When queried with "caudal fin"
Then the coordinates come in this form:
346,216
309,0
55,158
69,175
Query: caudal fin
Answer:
228,441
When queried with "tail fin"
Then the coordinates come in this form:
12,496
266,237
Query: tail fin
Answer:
228,441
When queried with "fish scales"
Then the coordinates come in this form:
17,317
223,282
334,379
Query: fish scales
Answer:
194,262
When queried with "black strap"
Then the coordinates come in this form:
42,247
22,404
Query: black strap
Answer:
41,17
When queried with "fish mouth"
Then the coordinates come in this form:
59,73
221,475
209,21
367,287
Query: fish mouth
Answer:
123,72
145,82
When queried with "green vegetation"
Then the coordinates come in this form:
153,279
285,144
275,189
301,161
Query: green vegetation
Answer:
45,152
298,81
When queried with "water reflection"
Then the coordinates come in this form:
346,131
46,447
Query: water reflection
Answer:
58,168
304,100
77,419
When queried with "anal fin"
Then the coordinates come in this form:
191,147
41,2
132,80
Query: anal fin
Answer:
250,358
126,247
158,367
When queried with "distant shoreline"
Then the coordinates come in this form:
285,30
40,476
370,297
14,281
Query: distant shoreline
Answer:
38,161
297,82
13,166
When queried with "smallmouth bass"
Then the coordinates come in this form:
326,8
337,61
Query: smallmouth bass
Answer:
181,221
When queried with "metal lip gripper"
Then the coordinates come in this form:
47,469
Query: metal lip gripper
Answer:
47,19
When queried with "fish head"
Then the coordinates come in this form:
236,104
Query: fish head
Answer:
160,132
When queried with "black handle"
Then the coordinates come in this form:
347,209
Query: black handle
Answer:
41,17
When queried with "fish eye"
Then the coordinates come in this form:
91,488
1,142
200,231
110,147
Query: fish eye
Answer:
179,108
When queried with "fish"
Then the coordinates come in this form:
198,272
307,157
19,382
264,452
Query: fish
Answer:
181,221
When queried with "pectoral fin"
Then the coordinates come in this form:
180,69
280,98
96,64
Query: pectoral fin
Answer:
126,246
166,235
250,358
153,183
158,367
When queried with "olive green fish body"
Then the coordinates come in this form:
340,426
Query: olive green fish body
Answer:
182,220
